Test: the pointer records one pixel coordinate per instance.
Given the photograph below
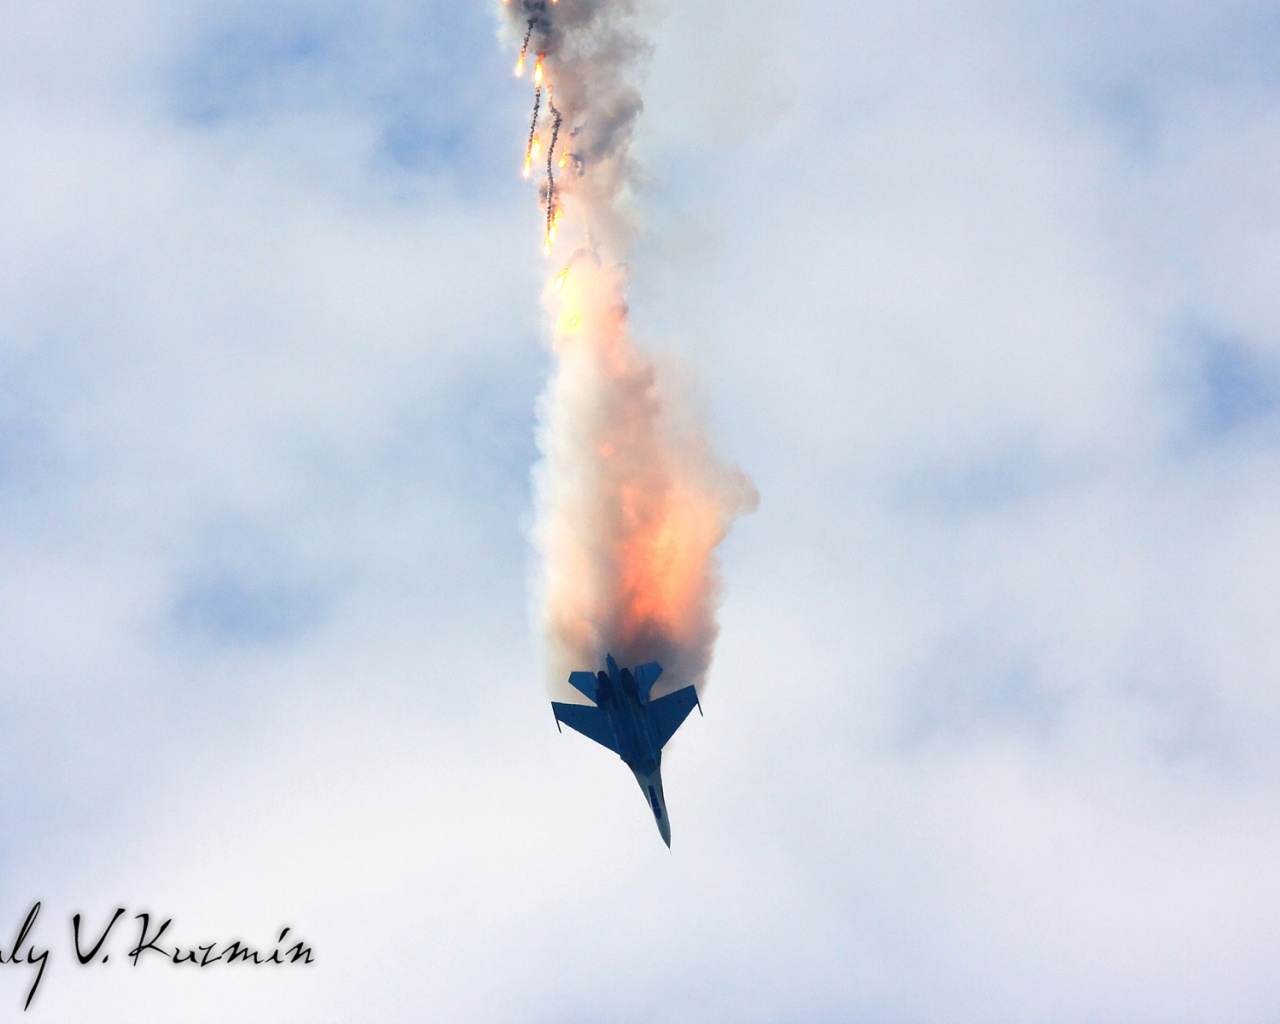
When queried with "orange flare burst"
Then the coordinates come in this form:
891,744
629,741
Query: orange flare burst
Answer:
537,71
663,559
520,66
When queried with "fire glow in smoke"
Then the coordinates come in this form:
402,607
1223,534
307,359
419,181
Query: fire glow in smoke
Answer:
631,502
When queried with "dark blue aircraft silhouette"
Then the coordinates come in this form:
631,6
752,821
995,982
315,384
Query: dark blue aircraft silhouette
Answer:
630,723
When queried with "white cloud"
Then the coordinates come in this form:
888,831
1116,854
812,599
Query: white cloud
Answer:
991,729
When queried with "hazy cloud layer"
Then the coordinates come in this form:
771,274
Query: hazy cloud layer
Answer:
983,301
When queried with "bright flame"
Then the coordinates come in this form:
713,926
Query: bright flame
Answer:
520,62
663,559
534,149
564,157
537,71
528,162
560,278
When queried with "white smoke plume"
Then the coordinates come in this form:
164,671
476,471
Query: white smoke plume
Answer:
631,501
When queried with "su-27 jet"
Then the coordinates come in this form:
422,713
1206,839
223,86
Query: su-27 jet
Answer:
627,720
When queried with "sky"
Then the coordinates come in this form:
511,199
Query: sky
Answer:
981,296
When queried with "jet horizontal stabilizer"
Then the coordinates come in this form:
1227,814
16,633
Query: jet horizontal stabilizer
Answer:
585,683
646,675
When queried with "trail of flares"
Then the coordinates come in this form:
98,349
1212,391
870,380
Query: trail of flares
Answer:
533,133
631,502
553,207
524,47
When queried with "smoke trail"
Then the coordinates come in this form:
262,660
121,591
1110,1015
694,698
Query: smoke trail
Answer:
631,501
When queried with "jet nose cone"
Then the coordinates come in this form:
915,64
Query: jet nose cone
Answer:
651,784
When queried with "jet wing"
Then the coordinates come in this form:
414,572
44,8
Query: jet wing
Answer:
591,721
666,714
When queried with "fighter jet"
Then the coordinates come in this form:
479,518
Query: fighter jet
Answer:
629,722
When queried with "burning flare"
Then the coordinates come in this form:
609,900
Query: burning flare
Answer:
524,47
